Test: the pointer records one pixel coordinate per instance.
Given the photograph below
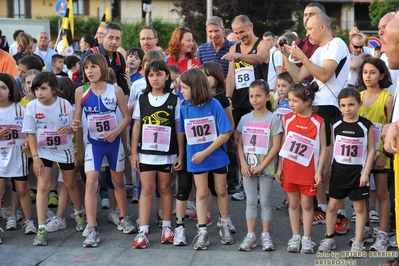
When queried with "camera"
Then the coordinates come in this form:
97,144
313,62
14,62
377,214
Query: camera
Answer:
282,42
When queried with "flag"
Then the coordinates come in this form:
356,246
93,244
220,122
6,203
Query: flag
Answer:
68,26
105,18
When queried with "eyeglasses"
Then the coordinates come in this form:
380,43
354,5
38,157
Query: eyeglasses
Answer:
147,39
357,47
112,38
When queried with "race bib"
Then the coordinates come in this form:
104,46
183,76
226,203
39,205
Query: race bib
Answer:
348,150
280,112
298,148
156,138
99,124
15,138
200,130
255,140
244,77
377,129
52,140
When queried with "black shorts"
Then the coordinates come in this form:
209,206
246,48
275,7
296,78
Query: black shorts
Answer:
327,112
164,168
63,166
383,171
223,170
356,193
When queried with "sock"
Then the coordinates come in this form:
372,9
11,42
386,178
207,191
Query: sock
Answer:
166,223
251,234
342,212
42,226
191,203
323,207
144,229
306,238
329,236
382,232
202,228
224,221
121,218
265,234
208,214
77,212
129,186
372,208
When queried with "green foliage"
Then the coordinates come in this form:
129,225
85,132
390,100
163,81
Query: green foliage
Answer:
378,10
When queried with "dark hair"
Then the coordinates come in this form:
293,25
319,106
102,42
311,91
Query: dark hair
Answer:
150,28
55,57
156,66
88,39
99,60
198,83
174,69
382,68
349,92
16,33
111,26
71,60
15,93
285,76
269,33
137,52
34,40
31,62
45,77
319,6
261,83
215,70
377,48
304,90
67,89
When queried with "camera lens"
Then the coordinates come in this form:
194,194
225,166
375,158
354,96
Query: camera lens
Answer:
282,42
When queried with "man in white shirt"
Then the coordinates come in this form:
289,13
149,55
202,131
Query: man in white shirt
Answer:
275,62
357,56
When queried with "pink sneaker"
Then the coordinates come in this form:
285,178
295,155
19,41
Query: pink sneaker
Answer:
193,216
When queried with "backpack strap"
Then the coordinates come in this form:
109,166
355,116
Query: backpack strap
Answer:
274,66
117,59
340,66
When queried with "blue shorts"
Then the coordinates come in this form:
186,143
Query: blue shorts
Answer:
114,152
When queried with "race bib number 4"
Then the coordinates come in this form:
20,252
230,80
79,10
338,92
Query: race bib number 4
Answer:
51,139
200,130
15,138
156,138
255,140
99,124
348,150
244,77
298,148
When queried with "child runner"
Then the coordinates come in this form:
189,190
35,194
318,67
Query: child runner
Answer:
303,151
14,146
207,128
134,58
155,146
352,159
99,101
374,77
258,144
47,125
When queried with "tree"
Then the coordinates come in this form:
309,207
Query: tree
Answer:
272,15
378,10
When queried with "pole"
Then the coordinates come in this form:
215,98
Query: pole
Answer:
209,11
59,33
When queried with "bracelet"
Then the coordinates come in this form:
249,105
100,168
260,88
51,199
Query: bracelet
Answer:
35,155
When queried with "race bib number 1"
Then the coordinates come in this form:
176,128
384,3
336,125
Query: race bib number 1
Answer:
156,138
244,77
200,130
298,148
255,140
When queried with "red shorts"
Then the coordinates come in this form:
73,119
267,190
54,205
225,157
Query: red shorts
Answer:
307,190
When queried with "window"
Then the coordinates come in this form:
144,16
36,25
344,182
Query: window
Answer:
19,8
78,7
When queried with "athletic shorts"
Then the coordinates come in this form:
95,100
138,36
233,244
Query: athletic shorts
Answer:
62,166
114,152
223,170
356,193
307,190
164,168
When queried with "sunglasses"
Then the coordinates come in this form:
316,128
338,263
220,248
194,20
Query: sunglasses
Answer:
357,47
185,29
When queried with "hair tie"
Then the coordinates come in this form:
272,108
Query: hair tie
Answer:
307,92
7,80
304,84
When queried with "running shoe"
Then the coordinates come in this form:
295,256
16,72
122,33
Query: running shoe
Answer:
50,214
11,223
1,235
141,241
353,217
201,241
193,216
113,216
307,246
390,231
357,247
167,235
294,245
239,195
224,232
80,222
230,224
86,231
159,219
283,206
248,243
319,217
327,244
367,236
29,227
55,223
189,210
135,196
40,238
53,199
266,242
180,236
392,241
342,225
126,226
6,213
92,238
381,243
374,218
105,203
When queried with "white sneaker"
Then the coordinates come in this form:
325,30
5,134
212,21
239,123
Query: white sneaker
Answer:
190,210
104,204
6,213
29,227
392,241
1,235
11,223
113,216
86,231
353,217
381,243
266,242
239,195
374,218
294,245
230,224
55,223
179,238
327,244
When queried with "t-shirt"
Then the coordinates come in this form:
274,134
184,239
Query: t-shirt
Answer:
184,64
276,60
335,50
282,108
202,125
353,73
135,76
257,134
44,121
349,151
137,89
